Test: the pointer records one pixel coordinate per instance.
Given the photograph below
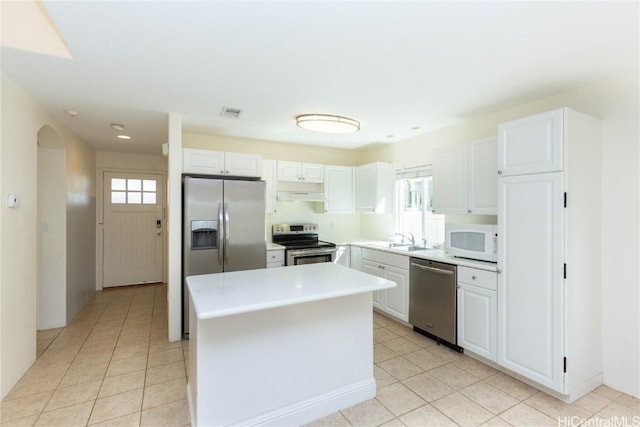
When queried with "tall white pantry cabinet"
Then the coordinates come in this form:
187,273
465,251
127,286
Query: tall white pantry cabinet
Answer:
549,228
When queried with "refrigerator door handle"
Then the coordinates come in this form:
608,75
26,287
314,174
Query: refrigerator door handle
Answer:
226,233
220,233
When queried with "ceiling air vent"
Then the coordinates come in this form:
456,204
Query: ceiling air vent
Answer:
232,113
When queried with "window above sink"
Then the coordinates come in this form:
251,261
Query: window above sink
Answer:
414,197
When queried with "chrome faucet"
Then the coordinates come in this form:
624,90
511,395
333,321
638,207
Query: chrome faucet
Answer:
412,239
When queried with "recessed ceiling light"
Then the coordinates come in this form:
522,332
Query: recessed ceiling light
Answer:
126,137
390,136
117,126
415,128
71,113
327,123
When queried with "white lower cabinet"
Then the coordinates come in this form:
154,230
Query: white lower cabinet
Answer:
394,301
355,258
343,256
477,312
275,258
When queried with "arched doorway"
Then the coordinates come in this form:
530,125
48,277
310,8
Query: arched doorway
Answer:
52,224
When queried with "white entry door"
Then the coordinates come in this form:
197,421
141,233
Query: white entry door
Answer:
133,225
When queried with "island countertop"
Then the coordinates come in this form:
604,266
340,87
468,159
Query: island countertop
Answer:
230,293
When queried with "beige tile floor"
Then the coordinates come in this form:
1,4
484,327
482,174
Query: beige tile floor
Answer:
112,366
423,384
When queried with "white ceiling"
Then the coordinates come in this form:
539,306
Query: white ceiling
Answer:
394,66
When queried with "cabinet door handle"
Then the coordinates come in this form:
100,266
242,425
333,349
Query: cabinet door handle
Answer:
474,277
499,172
498,271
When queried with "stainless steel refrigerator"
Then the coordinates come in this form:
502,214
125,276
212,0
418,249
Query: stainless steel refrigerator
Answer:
224,229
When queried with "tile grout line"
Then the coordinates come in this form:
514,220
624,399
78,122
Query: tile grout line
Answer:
42,411
110,359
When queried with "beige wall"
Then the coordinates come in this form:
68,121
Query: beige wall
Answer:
80,173
273,150
22,118
52,252
129,161
616,102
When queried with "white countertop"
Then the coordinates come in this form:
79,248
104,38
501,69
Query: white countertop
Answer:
274,246
431,254
226,294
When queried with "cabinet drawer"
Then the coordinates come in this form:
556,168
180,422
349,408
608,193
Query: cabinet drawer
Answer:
400,261
275,264
275,256
482,278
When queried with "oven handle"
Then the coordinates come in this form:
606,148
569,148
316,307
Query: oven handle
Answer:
298,252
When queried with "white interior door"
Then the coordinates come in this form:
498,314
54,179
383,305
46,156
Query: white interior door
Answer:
133,226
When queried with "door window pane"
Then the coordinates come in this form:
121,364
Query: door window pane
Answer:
149,185
134,197
149,198
118,184
134,185
118,197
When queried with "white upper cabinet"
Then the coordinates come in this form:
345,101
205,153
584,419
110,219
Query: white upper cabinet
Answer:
242,164
483,177
338,189
465,179
300,172
451,180
374,188
269,171
532,144
207,162
203,161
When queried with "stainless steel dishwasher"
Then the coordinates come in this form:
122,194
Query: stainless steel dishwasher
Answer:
432,300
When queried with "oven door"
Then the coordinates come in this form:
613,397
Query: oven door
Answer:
310,256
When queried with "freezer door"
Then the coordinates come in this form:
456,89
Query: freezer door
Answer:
245,245
202,233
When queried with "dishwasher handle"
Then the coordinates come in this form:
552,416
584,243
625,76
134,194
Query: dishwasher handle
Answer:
432,269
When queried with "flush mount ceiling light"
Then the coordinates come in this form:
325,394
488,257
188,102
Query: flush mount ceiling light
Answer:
125,137
327,123
72,113
117,126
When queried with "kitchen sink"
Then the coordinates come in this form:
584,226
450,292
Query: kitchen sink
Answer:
402,247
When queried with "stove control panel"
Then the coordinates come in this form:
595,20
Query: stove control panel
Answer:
294,229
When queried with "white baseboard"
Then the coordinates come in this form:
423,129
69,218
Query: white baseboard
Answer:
317,407
192,415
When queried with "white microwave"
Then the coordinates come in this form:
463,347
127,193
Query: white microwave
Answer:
474,241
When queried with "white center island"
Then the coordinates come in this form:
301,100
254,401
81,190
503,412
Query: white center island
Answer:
280,346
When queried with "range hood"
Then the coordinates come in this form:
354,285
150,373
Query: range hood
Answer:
300,196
